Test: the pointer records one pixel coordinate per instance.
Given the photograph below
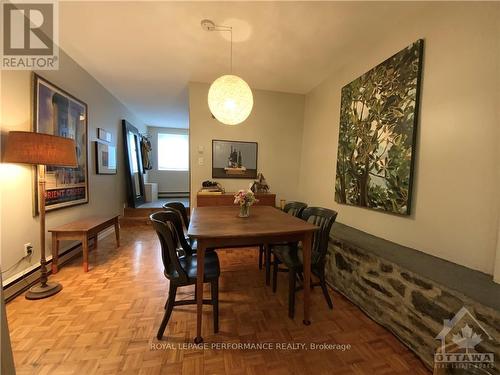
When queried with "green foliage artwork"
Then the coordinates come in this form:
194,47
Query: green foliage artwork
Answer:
378,119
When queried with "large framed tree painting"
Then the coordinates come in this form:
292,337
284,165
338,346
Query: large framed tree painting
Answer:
59,113
378,123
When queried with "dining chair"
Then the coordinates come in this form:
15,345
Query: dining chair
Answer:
184,240
292,208
181,210
290,255
181,271
179,206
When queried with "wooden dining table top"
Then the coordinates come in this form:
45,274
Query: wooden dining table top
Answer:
223,221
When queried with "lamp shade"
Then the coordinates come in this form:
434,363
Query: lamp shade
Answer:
230,99
39,148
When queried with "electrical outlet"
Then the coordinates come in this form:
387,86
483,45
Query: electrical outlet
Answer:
28,249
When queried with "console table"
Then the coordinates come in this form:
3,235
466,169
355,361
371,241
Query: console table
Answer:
227,199
82,230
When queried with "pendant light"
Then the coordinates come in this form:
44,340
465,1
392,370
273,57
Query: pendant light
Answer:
230,98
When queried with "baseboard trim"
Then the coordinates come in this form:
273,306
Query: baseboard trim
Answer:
173,194
28,278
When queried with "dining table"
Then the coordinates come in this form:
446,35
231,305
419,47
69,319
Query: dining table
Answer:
221,227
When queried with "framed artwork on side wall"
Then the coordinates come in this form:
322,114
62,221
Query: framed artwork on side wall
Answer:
59,113
104,135
378,127
234,159
105,157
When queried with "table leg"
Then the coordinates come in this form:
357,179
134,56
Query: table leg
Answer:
55,252
306,252
200,254
85,246
267,250
94,248
117,232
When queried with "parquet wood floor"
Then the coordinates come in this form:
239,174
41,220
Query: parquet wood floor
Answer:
105,322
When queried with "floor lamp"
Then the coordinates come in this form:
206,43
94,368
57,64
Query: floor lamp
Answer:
41,150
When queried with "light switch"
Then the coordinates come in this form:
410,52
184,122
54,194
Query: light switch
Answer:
201,149
201,161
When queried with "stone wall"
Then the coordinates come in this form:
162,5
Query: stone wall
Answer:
411,306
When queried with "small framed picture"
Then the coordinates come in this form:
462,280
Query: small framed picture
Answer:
105,158
103,135
234,159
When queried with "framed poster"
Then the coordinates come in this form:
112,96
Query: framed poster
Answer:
59,113
234,159
378,127
104,135
105,157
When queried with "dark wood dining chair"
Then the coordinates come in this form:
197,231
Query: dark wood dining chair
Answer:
177,222
181,270
295,208
179,206
290,255
292,208
181,210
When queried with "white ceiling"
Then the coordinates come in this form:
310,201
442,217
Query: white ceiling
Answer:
145,53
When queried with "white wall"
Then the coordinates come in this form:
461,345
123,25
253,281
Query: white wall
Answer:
275,124
456,189
106,192
168,181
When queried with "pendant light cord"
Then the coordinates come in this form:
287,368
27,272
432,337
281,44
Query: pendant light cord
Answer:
230,29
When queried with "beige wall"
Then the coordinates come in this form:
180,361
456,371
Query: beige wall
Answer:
496,274
106,192
275,123
456,190
168,181
497,263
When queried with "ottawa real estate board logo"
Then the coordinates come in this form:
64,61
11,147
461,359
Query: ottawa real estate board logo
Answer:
30,35
460,338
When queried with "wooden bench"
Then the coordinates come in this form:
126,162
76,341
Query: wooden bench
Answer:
82,230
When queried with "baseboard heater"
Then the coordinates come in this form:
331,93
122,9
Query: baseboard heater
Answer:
175,194
31,276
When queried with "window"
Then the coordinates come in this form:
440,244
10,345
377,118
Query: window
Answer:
173,152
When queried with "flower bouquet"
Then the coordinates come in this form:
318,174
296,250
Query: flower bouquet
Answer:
245,198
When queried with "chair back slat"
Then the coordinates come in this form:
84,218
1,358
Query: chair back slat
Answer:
294,208
169,241
324,219
179,206
176,220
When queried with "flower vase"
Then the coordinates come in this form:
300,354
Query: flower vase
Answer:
244,210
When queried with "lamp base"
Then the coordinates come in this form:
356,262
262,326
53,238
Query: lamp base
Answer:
39,291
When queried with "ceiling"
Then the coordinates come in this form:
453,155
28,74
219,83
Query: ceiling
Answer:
145,53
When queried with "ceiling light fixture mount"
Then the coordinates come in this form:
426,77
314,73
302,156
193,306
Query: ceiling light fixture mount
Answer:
230,98
207,25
